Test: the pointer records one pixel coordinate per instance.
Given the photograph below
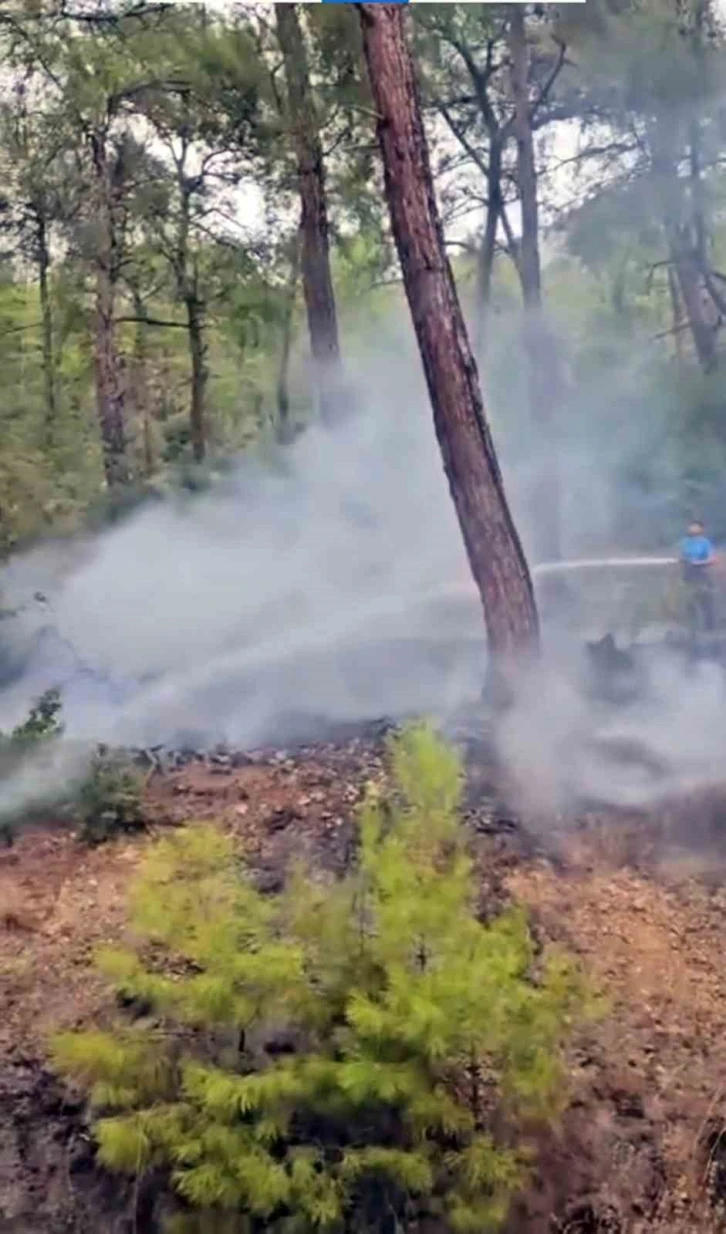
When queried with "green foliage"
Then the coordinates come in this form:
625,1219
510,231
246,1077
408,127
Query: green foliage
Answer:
638,85
419,1040
110,799
43,724
43,720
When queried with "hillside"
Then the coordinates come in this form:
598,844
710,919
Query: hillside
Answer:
639,1148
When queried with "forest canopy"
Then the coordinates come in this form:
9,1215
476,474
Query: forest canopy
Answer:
163,285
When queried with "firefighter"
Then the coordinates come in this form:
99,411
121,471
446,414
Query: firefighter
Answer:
697,558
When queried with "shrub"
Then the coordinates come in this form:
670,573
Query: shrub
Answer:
43,724
110,799
360,1056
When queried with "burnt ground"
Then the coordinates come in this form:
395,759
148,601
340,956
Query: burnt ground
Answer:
640,898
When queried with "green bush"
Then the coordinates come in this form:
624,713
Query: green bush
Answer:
361,1056
42,725
110,799
43,722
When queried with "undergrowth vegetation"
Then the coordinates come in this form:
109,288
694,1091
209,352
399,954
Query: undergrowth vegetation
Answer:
358,1056
42,725
110,798
43,722
106,800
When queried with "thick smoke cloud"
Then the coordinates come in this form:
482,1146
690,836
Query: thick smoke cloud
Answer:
287,589
560,747
312,588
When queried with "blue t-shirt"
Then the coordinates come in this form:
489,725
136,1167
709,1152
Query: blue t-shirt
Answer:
695,549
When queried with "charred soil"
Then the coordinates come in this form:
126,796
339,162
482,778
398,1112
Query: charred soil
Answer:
643,1143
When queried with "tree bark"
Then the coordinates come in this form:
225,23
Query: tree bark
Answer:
283,376
485,263
684,229
543,364
676,314
317,279
492,544
140,387
186,273
200,376
529,259
187,280
46,322
110,399
703,326
700,311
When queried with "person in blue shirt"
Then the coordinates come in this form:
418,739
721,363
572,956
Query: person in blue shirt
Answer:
697,557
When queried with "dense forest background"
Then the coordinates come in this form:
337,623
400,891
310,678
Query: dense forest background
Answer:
158,298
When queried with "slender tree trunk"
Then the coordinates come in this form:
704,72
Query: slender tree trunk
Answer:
697,196
688,279
492,544
46,319
700,311
684,230
713,301
693,292
186,272
317,279
283,375
676,314
529,259
141,385
485,263
200,376
109,372
544,375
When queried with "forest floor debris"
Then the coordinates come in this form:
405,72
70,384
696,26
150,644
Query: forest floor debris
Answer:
642,1146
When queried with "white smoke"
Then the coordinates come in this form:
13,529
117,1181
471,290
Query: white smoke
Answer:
562,747
289,588
314,588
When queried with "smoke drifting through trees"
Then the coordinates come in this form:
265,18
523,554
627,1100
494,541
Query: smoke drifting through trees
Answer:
640,419
313,591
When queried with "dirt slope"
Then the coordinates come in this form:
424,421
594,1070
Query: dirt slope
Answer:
648,1084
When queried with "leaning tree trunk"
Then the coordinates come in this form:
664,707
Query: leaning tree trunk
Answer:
317,279
545,385
492,544
108,367
46,323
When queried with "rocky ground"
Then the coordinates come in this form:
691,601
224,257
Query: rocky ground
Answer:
640,898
